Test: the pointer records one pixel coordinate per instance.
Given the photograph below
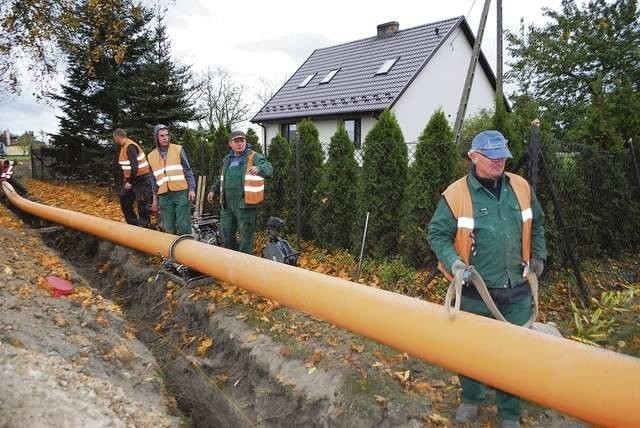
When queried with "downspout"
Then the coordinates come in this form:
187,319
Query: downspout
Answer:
264,137
592,384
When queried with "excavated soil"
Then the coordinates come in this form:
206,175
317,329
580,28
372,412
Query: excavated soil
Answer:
130,348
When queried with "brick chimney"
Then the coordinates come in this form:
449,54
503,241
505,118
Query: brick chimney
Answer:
387,29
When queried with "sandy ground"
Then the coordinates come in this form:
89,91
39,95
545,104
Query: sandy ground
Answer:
67,362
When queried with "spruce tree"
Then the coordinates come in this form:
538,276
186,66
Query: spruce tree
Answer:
311,158
157,91
279,192
92,100
436,165
502,121
384,179
254,140
337,194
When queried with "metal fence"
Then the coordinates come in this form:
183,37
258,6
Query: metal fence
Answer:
359,153
92,164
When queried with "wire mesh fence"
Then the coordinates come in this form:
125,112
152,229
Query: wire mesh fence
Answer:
359,152
598,191
598,195
92,164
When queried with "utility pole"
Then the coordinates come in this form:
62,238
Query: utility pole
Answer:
499,72
466,90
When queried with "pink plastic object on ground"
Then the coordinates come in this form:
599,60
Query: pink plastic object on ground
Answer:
59,286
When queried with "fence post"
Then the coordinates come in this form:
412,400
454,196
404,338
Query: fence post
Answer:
575,264
31,159
298,190
535,148
635,161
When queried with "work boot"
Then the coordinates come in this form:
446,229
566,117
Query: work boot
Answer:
510,424
467,412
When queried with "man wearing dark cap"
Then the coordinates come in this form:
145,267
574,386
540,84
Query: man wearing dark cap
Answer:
490,220
241,187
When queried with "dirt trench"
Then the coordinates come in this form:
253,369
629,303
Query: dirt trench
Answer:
244,379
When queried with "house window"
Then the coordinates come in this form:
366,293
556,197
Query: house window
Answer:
329,76
386,66
288,131
353,129
306,80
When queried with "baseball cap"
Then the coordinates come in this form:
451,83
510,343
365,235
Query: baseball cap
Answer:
237,134
492,144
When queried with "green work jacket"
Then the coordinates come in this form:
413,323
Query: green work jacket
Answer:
497,249
233,179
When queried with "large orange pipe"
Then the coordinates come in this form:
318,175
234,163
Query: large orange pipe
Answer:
592,384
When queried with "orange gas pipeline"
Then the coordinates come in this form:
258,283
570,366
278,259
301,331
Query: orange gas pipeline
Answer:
592,384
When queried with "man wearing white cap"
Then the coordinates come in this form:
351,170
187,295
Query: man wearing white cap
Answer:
490,220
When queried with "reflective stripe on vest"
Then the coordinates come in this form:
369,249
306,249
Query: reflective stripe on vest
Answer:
459,200
168,172
8,173
125,164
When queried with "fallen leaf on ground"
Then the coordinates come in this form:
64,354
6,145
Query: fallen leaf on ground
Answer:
382,402
204,346
357,347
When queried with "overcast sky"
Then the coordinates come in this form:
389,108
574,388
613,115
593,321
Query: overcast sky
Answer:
257,40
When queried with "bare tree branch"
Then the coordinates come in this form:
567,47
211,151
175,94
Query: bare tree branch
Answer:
221,99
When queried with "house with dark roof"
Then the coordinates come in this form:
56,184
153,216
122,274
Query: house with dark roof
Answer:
413,72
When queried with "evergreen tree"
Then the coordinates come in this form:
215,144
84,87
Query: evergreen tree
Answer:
254,140
91,100
199,147
436,165
472,127
502,121
157,92
384,179
279,190
338,191
311,158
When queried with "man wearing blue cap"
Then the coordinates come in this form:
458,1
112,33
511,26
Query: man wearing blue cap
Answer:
490,220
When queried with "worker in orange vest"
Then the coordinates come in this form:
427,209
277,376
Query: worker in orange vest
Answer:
241,188
174,186
136,180
491,220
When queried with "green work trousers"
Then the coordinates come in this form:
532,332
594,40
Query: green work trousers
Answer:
473,392
175,212
241,220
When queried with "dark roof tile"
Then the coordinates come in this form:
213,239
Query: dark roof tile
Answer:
355,87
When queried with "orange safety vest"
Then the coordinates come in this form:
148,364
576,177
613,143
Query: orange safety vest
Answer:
458,198
168,172
6,174
253,184
123,159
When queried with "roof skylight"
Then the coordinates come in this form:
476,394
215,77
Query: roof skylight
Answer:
386,66
330,75
306,80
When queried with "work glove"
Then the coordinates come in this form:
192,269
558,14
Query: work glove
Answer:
459,265
536,266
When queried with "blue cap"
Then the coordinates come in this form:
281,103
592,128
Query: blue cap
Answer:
492,144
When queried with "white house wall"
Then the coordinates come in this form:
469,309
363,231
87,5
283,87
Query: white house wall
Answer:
439,85
326,127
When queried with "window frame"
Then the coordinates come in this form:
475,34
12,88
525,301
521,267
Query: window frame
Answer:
307,80
357,130
285,131
382,70
329,76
